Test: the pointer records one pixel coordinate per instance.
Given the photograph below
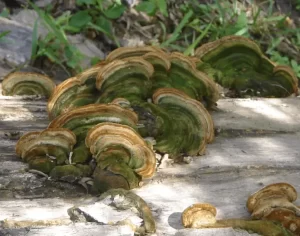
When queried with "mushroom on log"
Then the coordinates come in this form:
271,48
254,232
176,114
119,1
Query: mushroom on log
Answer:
27,83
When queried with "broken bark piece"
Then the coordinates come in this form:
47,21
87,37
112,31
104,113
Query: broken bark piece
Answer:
286,217
202,215
27,83
278,195
124,199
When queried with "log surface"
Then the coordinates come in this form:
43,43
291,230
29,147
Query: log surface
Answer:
257,143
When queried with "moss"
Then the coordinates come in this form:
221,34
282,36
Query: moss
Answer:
105,180
86,169
66,170
42,164
81,154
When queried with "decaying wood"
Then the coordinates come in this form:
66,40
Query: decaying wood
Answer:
257,143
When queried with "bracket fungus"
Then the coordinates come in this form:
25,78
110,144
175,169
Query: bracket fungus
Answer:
44,150
126,52
237,63
185,77
74,92
27,83
128,78
81,119
119,150
170,71
199,215
202,215
189,126
62,97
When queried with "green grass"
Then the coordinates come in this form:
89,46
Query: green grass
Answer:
200,23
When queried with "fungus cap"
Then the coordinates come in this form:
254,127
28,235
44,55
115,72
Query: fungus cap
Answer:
54,143
199,215
125,52
27,83
131,65
112,113
63,92
109,135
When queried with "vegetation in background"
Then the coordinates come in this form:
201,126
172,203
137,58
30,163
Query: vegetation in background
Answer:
199,23
3,34
151,7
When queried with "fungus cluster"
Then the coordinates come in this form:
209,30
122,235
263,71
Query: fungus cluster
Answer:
137,94
238,63
272,212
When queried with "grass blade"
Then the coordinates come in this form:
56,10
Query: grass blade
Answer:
4,33
189,50
34,44
177,31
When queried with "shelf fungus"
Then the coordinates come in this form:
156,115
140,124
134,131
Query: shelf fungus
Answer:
128,78
199,216
81,119
186,124
184,76
74,92
275,202
203,215
170,71
44,150
123,199
126,52
237,63
27,83
122,154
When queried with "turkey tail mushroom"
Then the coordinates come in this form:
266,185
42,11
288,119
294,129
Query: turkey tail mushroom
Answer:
126,52
189,126
74,92
128,78
27,83
120,150
237,63
81,119
43,150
